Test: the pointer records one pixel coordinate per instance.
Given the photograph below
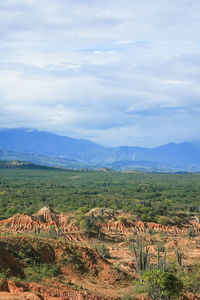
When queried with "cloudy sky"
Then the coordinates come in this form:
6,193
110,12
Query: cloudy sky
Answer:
117,72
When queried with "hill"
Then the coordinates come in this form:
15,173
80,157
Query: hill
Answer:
53,256
15,164
44,160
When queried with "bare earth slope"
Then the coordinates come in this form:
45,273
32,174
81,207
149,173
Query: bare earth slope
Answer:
74,244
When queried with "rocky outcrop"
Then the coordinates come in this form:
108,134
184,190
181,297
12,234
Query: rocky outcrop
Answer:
45,219
129,227
46,215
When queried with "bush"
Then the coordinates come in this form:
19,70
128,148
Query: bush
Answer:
191,280
173,266
146,217
163,220
161,247
4,274
88,225
102,250
40,271
161,285
152,231
177,220
53,233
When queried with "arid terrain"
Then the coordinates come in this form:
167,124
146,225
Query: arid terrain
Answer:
89,256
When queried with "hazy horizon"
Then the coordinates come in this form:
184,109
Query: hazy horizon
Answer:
114,72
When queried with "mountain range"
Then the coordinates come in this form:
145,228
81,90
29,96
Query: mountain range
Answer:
53,150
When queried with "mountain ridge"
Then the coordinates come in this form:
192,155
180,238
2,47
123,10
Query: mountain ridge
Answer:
54,150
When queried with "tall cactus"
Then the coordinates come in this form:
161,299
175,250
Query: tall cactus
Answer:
141,254
158,258
179,257
161,262
141,257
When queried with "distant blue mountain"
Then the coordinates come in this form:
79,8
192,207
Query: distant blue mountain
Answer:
78,152
45,143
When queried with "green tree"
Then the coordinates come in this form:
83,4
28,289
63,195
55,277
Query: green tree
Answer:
161,285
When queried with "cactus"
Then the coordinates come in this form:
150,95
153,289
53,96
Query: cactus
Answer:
161,262
141,254
141,257
158,258
179,257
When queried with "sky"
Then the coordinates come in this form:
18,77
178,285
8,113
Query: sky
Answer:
117,72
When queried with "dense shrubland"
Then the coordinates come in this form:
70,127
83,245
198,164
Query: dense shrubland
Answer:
163,198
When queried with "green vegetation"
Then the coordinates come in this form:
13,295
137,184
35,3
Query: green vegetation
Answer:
128,297
103,250
142,259
164,220
4,273
191,279
165,198
161,285
73,257
40,271
33,259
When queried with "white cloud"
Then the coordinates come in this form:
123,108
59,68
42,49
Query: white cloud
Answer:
116,71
